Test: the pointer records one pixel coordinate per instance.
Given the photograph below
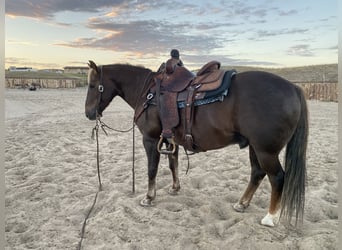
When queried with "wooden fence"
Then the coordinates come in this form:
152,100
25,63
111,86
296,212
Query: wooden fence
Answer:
320,91
313,91
43,83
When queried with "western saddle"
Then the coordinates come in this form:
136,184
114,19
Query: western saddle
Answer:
175,86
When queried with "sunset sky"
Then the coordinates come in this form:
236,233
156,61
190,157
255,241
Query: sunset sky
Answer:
59,33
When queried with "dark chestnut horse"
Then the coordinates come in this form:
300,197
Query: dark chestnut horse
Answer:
262,111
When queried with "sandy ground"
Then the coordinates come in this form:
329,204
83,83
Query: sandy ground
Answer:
51,181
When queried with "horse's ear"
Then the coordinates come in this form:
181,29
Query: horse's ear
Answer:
92,65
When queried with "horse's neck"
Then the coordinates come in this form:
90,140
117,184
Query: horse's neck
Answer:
133,87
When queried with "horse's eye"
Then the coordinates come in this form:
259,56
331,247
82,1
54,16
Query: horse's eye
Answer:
91,86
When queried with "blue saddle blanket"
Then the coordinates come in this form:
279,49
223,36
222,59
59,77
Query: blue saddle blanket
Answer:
214,95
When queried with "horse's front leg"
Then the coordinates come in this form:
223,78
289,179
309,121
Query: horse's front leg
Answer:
173,164
153,157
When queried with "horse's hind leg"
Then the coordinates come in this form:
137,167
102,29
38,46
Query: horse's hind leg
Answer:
257,175
153,158
270,163
173,164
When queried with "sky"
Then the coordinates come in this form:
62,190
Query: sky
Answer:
267,33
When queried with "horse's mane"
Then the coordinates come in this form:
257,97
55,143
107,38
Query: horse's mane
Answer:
121,67
127,65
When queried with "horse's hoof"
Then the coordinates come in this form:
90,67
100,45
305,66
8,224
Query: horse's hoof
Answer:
239,208
270,219
146,202
173,191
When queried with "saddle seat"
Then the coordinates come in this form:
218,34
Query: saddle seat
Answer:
209,77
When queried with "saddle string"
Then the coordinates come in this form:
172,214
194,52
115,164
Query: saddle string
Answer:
188,159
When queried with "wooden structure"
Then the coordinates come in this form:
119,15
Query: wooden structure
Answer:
43,83
320,91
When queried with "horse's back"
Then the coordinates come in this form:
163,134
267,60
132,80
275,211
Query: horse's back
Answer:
252,84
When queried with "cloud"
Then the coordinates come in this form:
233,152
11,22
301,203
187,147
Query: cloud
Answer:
300,50
268,33
333,47
25,62
24,43
60,24
146,36
287,13
214,25
45,9
245,11
197,61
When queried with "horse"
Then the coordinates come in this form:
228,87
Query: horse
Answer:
262,111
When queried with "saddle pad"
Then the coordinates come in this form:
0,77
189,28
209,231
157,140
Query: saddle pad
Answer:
213,95
227,79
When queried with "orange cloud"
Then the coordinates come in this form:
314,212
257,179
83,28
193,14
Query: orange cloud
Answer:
113,13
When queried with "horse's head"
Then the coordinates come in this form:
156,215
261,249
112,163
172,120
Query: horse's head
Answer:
100,91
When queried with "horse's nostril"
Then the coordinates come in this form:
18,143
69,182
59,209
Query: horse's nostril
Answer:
90,115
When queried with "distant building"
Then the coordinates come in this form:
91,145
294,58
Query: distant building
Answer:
22,69
75,70
59,71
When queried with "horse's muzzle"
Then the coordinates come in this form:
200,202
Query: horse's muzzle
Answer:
91,115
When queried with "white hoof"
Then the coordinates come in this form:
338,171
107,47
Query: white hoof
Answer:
270,220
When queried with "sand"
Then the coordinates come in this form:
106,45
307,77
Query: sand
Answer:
51,182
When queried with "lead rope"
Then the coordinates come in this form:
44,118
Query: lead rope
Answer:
101,124
95,131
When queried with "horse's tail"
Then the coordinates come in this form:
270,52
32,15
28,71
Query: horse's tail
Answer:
293,196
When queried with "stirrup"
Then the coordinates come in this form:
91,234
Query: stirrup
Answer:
168,150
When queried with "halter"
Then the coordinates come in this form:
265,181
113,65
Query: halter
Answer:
100,88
